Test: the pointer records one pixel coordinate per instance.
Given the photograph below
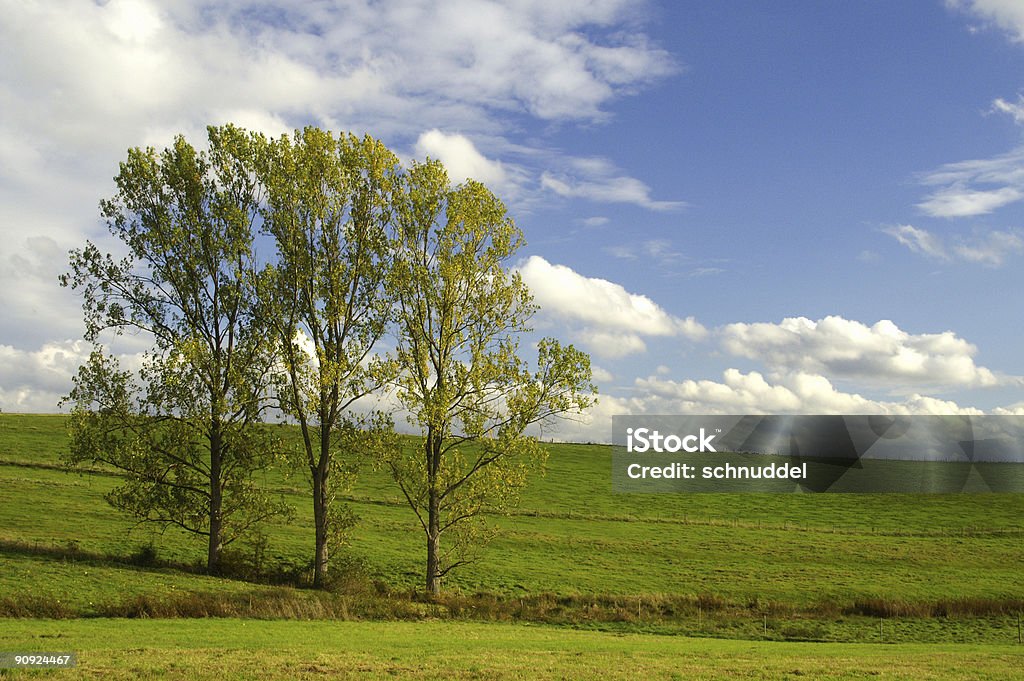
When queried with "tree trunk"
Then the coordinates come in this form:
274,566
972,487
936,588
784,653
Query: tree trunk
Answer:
433,452
216,499
433,546
320,503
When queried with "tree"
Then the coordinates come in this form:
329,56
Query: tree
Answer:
328,210
189,437
459,317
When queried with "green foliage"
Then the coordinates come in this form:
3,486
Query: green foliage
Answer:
328,208
184,434
459,317
361,242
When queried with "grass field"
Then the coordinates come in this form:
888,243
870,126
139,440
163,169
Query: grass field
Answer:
621,569
246,649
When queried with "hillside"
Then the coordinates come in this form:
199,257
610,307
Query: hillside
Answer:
65,552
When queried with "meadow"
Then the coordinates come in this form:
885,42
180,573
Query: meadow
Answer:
577,571
246,649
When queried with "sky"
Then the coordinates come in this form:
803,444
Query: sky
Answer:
735,208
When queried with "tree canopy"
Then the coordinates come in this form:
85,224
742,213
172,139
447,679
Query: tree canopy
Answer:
328,209
460,315
384,281
186,435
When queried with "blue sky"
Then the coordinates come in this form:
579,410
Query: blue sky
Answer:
740,207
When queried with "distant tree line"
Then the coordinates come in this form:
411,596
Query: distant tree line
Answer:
296,276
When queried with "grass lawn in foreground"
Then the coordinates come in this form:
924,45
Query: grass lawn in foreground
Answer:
257,649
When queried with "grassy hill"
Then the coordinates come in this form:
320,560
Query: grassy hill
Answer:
755,565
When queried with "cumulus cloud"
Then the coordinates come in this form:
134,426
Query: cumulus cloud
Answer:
120,67
613,319
36,380
990,248
611,344
596,424
460,158
880,355
48,369
35,309
600,374
738,392
795,393
80,82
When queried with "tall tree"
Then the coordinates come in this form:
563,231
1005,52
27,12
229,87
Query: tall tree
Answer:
187,434
459,317
329,206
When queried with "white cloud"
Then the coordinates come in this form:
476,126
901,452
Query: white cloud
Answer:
97,76
957,200
611,344
80,82
461,158
1014,110
604,184
880,355
706,271
751,393
600,374
132,21
975,187
657,250
596,424
36,380
1007,15
669,260
978,186
992,249
614,319
43,375
560,290
918,240
986,248
35,308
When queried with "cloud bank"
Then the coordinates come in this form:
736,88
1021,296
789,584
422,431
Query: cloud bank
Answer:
879,355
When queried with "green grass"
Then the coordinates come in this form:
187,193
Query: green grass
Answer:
247,649
821,567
